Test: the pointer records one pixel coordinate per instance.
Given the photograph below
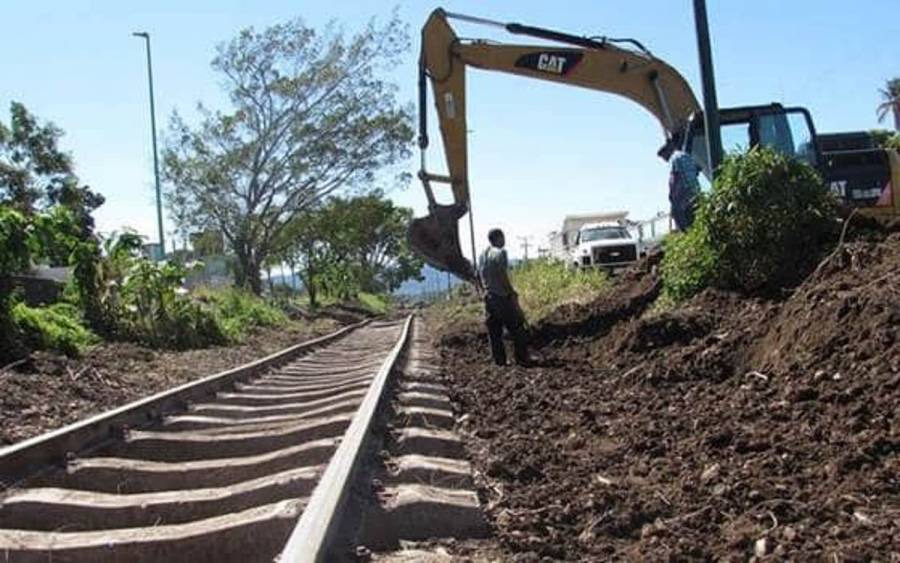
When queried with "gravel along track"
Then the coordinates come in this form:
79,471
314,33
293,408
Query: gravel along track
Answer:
224,480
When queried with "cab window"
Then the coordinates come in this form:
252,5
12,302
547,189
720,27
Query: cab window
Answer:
789,133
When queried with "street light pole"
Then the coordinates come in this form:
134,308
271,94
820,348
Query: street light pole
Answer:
710,104
159,213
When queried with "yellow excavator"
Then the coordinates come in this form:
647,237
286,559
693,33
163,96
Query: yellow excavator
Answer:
619,66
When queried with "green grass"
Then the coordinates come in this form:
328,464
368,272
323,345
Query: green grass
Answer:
544,285
322,300
463,308
377,304
56,327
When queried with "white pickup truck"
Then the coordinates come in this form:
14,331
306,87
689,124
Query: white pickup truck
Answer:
596,240
604,245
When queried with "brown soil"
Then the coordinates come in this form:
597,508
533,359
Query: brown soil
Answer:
729,428
52,391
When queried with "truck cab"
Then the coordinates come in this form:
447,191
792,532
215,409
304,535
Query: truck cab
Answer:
604,245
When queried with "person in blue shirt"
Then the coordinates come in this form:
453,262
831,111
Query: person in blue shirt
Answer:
684,186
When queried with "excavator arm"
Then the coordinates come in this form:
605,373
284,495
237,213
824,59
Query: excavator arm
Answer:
594,63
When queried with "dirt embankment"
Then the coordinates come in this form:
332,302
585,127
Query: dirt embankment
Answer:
52,391
729,428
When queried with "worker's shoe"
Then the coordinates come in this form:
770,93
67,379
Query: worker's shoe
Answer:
527,362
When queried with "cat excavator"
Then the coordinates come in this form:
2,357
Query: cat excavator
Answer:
618,66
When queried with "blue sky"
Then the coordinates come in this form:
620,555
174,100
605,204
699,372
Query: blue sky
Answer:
538,151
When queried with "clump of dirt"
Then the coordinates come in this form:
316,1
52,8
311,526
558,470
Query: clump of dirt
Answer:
660,331
51,390
729,428
634,291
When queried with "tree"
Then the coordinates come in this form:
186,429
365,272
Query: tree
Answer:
351,244
369,233
207,243
36,175
303,250
14,256
310,114
891,96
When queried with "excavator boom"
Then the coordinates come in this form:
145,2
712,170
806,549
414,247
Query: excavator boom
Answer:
597,64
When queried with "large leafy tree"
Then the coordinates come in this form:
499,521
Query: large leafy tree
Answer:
312,112
890,95
36,175
369,233
350,244
302,247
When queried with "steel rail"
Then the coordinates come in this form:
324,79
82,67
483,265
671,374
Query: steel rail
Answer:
317,527
28,457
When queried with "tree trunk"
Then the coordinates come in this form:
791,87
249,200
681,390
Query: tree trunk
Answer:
247,275
293,266
311,291
310,280
247,270
254,279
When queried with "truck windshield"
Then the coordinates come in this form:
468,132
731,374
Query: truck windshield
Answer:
603,233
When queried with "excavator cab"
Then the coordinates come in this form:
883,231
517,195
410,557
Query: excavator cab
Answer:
787,130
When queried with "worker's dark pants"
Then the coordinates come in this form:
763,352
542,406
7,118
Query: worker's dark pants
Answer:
502,311
683,211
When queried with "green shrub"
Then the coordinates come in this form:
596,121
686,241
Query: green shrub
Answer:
766,217
688,263
155,310
241,311
758,230
14,257
57,328
126,296
190,325
543,285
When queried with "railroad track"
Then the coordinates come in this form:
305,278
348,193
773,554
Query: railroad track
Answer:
224,469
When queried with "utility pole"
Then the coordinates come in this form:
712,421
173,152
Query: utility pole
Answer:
525,244
710,104
159,213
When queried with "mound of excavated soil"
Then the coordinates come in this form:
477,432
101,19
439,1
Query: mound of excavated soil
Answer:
726,429
635,290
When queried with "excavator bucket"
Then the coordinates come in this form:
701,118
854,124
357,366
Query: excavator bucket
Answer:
435,238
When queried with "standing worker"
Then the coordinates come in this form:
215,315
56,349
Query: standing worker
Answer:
501,302
683,189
